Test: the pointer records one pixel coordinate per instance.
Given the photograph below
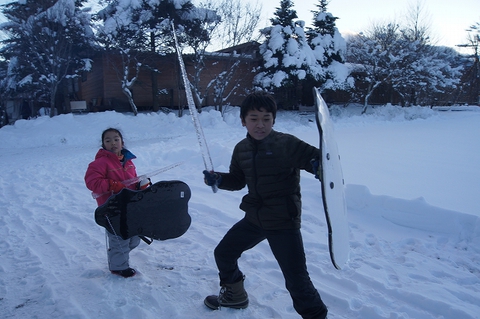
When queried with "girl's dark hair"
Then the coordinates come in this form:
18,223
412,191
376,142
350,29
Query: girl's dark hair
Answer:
257,101
111,129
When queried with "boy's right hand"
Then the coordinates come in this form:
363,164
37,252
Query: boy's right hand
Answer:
212,178
317,169
116,186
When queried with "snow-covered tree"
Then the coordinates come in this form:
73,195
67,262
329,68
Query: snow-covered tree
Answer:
287,57
329,48
471,78
8,78
44,43
141,30
295,59
285,14
434,71
197,35
3,93
384,56
150,22
121,38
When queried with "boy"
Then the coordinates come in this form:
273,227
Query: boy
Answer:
269,163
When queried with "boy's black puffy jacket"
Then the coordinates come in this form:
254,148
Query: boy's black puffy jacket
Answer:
271,170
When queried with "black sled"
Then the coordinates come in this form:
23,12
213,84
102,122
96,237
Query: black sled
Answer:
159,212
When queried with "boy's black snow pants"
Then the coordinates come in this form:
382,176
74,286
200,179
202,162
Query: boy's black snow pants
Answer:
287,247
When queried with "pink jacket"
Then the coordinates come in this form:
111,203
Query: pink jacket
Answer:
106,166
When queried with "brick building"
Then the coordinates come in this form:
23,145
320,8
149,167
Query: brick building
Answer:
101,87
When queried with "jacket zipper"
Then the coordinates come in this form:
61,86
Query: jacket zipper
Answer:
254,162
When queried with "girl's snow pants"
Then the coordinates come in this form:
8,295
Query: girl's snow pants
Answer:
118,251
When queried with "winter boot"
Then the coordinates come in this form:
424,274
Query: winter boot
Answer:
125,273
231,296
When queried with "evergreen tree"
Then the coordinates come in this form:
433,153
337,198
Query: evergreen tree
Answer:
4,90
297,60
323,24
329,48
46,41
285,14
287,58
155,18
325,36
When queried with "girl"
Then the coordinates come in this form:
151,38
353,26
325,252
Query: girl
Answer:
112,165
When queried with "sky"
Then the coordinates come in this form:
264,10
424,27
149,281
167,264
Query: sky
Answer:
414,223
448,19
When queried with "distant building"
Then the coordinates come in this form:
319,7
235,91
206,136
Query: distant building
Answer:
101,87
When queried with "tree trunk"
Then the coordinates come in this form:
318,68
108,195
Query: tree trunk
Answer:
66,98
155,103
371,89
52,99
128,93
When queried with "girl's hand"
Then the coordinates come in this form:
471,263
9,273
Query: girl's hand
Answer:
116,186
144,183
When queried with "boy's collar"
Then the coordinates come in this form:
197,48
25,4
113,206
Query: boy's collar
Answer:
272,132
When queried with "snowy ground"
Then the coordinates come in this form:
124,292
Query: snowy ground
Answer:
412,175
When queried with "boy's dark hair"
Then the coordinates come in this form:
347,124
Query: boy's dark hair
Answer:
111,129
257,101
